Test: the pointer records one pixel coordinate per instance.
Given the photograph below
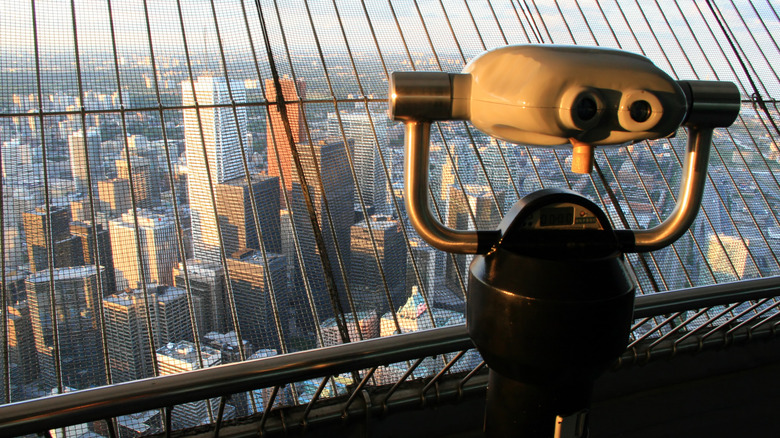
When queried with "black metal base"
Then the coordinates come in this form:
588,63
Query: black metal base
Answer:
518,409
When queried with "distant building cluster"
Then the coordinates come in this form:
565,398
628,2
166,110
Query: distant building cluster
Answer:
228,235
138,255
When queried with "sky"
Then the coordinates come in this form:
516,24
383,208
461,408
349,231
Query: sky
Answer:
755,28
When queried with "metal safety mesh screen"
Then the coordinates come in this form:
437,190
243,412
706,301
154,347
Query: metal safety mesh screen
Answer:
187,183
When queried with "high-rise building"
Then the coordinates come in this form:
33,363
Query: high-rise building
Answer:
260,295
207,288
425,268
15,285
74,242
473,208
19,157
237,220
37,225
114,195
213,152
96,254
369,134
129,352
332,194
178,357
369,290
79,159
231,350
76,295
22,357
158,246
14,247
280,161
146,181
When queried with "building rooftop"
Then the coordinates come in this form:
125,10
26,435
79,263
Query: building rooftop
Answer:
67,273
186,352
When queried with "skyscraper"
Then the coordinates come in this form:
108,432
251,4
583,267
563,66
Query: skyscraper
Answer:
367,148
281,163
129,352
368,287
473,208
22,360
178,357
333,184
146,181
159,248
93,253
207,288
255,298
213,150
429,264
79,158
76,296
237,220
114,196
37,224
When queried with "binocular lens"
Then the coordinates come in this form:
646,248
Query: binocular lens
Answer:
640,111
586,109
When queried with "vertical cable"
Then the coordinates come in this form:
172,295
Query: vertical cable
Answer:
453,162
255,211
610,193
520,21
308,198
49,239
118,76
541,20
176,215
491,139
410,250
404,226
755,42
663,52
288,203
318,172
91,195
531,22
241,146
207,166
6,384
499,207
318,177
606,21
495,18
368,221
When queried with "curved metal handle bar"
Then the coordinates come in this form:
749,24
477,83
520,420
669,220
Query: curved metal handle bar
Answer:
438,235
711,104
694,177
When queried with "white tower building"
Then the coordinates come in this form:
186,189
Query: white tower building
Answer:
212,149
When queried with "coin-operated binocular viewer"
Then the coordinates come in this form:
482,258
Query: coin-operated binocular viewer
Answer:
550,301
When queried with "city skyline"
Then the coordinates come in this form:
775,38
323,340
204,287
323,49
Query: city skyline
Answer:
192,222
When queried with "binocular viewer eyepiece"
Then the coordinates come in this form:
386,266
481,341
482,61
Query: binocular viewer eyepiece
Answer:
547,95
543,95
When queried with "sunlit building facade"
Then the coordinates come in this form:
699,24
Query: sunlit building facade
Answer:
213,147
